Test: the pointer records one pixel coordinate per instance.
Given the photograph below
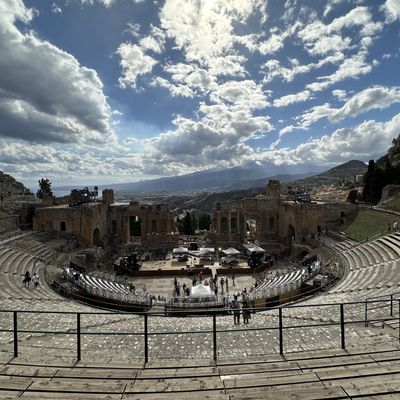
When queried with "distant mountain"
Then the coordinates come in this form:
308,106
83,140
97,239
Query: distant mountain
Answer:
237,178
219,180
336,174
204,201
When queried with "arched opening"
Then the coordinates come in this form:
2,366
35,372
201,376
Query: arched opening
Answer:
163,225
224,225
114,226
251,227
135,226
271,223
153,226
233,225
291,235
63,226
96,237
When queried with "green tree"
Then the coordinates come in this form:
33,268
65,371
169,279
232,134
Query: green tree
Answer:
188,224
44,189
368,179
352,196
204,221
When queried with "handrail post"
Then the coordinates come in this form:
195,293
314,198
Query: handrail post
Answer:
78,336
342,332
280,331
215,336
15,327
391,305
146,341
366,313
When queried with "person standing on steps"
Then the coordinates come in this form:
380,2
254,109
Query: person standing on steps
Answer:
27,279
246,310
35,280
236,310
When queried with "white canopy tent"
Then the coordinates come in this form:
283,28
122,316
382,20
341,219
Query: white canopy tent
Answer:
253,248
200,291
203,252
231,252
180,250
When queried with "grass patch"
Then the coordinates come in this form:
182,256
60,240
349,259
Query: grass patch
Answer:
367,223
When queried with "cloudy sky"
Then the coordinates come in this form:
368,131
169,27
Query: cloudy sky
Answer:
100,91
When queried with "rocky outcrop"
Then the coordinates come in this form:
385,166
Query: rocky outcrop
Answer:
9,186
393,155
13,194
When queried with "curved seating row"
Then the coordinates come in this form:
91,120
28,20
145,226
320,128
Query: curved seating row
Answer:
105,288
273,286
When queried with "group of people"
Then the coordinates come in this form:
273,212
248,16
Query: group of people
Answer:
215,283
27,279
234,305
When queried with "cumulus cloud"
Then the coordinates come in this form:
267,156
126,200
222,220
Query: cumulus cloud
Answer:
340,94
348,143
274,69
56,9
352,67
204,29
378,97
246,93
45,94
134,63
321,39
292,98
391,8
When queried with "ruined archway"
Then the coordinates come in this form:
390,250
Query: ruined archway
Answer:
233,225
135,226
291,233
252,223
96,237
114,226
224,225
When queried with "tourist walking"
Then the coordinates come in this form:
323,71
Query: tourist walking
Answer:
35,280
226,284
222,281
27,279
236,310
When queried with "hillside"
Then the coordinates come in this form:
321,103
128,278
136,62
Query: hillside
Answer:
335,174
242,177
204,201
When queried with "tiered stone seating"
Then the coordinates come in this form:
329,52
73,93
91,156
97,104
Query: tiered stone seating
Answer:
248,366
284,282
105,288
303,376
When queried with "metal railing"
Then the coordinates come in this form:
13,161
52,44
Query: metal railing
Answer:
332,320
